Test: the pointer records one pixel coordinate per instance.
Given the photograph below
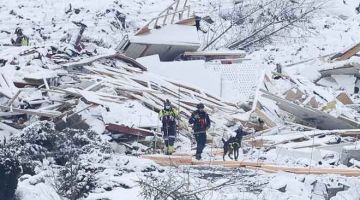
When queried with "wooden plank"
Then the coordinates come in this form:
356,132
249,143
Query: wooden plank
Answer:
354,123
8,128
118,56
147,102
230,54
323,120
351,68
9,114
186,87
51,107
81,110
270,123
116,128
188,22
131,61
355,133
344,98
267,167
43,113
169,160
5,87
11,101
46,83
143,30
349,53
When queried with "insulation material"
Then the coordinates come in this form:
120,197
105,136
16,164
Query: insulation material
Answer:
295,94
239,82
344,98
328,82
346,82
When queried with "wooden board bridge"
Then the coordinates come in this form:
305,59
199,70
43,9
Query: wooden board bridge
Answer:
187,160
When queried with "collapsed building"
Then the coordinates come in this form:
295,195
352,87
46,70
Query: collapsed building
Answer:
119,94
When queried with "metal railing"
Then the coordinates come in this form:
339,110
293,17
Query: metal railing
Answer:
168,14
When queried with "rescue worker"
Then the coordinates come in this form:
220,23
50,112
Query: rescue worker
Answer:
201,122
197,24
21,39
168,116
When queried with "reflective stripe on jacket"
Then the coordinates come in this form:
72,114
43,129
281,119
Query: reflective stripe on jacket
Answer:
24,41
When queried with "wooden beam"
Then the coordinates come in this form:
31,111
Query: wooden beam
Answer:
188,22
323,120
43,113
11,101
122,129
349,53
169,160
268,167
269,122
118,56
46,83
8,128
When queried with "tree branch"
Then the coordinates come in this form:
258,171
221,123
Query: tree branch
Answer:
232,24
281,28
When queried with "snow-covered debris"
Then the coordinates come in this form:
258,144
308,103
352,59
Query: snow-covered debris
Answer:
78,80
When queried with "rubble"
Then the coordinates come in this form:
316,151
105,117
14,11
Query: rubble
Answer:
348,153
99,91
300,121
175,23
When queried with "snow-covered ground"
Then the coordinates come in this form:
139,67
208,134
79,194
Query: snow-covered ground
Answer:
48,22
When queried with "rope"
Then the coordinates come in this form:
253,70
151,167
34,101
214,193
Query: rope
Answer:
178,131
312,148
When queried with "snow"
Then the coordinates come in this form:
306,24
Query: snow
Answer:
172,34
37,14
346,81
47,24
234,83
132,194
189,72
131,113
40,191
239,82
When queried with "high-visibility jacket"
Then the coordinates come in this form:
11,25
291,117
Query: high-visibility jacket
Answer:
21,41
168,116
24,41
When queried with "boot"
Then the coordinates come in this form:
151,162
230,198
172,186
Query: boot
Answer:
166,150
198,156
171,149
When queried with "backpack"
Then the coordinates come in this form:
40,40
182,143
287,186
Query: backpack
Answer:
202,121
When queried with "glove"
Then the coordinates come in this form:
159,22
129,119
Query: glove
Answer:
196,116
171,118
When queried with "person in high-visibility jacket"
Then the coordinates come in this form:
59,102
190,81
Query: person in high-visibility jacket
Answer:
169,117
21,39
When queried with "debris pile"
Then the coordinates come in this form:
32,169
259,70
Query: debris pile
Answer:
299,124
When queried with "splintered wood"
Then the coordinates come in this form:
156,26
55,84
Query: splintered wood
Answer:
132,85
349,53
267,167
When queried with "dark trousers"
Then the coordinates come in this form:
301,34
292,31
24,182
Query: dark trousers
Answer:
169,134
200,141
